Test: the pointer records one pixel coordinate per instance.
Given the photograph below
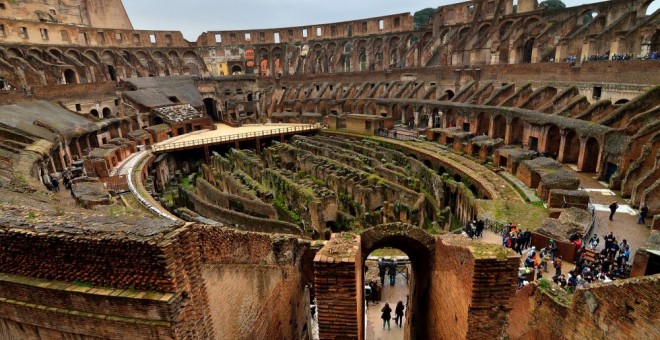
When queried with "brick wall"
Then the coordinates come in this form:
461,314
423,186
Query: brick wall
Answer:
339,299
253,284
451,295
65,92
34,307
625,309
520,314
101,262
473,290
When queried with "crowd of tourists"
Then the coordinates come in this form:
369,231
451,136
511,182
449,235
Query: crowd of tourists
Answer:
474,228
614,57
53,184
608,264
515,238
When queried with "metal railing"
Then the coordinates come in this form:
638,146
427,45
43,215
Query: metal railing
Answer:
234,137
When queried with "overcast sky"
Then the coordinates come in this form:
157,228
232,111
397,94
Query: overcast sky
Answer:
193,17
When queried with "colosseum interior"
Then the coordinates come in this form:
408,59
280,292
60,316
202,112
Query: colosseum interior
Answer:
244,185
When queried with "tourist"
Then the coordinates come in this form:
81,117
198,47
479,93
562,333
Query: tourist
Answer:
387,315
545,257
613,208
593,242
527,236
67,181
557,264
609,240
553,249
470,229
643,211
56,184
531,252
398,314
392,272
480,228
382,266
48,185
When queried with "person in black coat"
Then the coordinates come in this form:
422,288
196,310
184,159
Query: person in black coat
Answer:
392,272
398,314
613,208
387,315
382,268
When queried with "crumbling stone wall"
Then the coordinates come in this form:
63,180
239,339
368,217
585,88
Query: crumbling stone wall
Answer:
615,310
254,208
236,219
254,283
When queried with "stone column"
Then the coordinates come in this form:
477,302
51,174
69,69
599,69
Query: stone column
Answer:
491,127
508,132
61,152
562,147
583,153
80,154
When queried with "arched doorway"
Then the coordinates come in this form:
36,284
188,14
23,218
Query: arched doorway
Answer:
499,127
483,123
112,72
450,121
527,51
95,113
552,142
410,113
191,69
397,112
437,119
211,110
70,77
449,95
591,152
236,69
571,147
107,112
517,131
419,246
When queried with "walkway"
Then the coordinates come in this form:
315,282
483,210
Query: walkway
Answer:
391,295
224,134
624,225
132,168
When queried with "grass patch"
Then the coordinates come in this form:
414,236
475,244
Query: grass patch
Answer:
528,215
387,252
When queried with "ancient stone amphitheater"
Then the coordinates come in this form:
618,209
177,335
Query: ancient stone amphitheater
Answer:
211,189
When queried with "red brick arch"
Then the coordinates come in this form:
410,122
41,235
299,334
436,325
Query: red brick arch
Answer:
420,247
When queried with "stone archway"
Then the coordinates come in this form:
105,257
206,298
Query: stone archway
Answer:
571,150
452,279
590,155
483,123
552,141
70,77
517,131
499,127
415,242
